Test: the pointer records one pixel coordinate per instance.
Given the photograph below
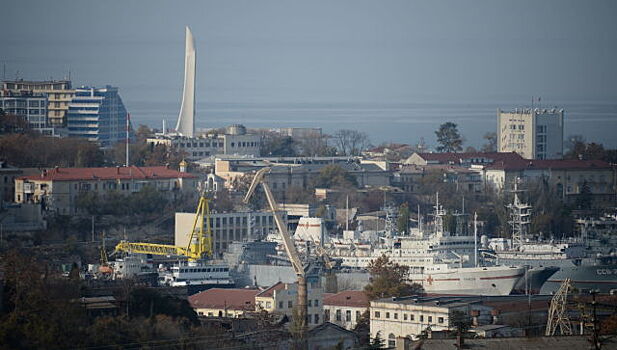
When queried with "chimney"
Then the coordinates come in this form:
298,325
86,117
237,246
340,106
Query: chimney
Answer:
474,317
117,170
495,314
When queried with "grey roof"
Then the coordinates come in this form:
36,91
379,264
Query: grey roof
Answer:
539,343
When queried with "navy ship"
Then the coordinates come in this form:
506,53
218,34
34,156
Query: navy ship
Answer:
587,267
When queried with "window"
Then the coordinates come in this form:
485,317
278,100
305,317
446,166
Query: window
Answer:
326,315
439,319
280,304
338,315
310,303
430,319
391,340
348,315
387,315
316,318
290,304
268,304
404,317
316,302
358,315
421,318
377,314
396,315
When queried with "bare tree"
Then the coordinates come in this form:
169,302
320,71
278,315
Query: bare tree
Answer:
351,142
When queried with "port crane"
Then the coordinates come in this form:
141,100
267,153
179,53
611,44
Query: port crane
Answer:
200,240
290,248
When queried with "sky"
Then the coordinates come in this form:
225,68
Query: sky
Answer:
394,69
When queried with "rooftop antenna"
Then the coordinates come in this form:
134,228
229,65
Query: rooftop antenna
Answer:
128,122
3,71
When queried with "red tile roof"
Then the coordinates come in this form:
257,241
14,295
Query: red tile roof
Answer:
269,292
453,157
525,164
219,298
116,173
353,298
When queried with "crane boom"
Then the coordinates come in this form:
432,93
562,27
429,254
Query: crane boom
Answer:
199,245
290,248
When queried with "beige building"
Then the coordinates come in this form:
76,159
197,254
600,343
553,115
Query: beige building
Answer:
568,177
345,308
281,298
59,188
223,302
59,95
229,227
532,133
409,317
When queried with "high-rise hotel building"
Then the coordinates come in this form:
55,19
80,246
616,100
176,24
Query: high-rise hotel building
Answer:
533,133
98,115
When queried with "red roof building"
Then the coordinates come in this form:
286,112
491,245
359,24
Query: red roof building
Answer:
345,308
58,188
219,302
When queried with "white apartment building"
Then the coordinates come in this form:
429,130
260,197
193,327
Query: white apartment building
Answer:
392,318
345,308
281,298
532,133
229,227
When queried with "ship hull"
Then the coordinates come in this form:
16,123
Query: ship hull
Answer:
472,281
584,278
534,279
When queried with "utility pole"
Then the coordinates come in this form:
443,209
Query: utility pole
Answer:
595,338
128,123
92,228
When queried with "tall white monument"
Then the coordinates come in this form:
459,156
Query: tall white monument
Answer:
186,119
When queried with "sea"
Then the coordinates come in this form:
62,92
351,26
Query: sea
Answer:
410,122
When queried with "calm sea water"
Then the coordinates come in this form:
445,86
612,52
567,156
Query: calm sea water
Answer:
404,122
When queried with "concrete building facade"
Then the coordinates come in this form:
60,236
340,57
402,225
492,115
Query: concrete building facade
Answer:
281,298
57,189
345,308
229,227
58,92
532,133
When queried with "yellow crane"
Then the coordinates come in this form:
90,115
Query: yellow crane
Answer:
200,240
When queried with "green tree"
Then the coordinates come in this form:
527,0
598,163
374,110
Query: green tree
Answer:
275,145
491,142
403,218
389,279
332,176
449,138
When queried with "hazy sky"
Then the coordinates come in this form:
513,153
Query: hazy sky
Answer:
252,54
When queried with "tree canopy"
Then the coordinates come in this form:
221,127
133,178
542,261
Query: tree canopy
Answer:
389,279
449,138
332,176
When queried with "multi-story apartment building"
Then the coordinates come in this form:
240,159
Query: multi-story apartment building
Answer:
8,174
281,298
98,115
59,188
58,92
532,133
28,105
345,308
229,227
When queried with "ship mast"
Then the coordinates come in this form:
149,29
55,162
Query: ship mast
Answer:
520,218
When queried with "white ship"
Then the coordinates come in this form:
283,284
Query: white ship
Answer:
197,274
439,261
